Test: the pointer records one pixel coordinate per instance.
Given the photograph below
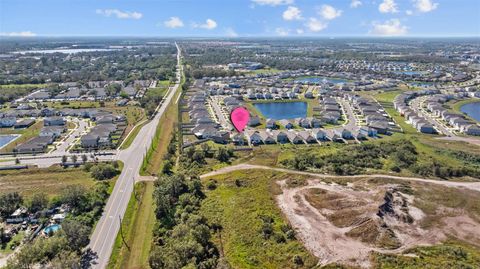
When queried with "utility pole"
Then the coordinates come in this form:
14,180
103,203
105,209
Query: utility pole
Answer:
134,192
121,233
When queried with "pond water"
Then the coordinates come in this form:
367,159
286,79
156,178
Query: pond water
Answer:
5,139
472,110
66,51
278,111
321,80
409,73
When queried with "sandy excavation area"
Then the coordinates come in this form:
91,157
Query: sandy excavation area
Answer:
344,224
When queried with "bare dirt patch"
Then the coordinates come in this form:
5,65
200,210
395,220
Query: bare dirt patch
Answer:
344,224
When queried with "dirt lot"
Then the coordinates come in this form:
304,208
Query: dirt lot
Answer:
345,223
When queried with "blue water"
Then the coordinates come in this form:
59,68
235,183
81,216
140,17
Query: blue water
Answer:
321,79
472,110
410,73
51,228
279,111
5,139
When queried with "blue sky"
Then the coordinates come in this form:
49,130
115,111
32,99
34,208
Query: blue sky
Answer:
245,18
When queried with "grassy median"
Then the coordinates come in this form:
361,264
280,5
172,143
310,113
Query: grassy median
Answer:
137,227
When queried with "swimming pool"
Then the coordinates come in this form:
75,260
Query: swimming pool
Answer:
6,139
51,229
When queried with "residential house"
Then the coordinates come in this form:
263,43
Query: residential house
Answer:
50,121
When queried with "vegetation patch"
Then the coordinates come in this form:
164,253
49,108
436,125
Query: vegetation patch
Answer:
252,233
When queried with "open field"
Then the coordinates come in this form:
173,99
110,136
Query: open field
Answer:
73,104
239,210
137,226
348,212
47,180
24,86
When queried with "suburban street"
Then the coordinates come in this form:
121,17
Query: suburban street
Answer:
107,228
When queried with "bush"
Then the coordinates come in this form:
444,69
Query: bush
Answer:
103,171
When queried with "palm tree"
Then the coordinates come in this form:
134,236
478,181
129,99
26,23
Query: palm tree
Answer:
84,158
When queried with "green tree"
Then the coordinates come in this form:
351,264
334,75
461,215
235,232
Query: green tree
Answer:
9,202
77,234
39,201
74,158
66,259
75,196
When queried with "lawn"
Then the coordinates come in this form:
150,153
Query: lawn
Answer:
47,180
73,104
133,114
239,209
131,136
137,226
24,86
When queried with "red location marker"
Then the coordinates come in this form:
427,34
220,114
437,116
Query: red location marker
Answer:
240,117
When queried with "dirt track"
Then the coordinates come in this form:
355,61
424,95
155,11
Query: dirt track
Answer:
467,185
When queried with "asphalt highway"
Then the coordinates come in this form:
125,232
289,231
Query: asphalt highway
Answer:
107,228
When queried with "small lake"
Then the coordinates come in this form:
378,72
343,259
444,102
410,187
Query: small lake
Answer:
279,111
409,73
5,139
321,80
472,110
65,51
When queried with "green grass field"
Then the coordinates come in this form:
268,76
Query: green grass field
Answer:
137,226
47,180
238,211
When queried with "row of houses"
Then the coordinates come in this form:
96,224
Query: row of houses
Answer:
400,103
373,113
201,124
308,136
52,129
456,120
94,89
330,110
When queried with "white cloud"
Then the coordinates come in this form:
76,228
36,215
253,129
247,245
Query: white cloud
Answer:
355,3
230,32
329,13
119,14
281,31
391,27
315,25
173,22
388,6
300,31
19,34
408,12
292,13
272,2
425,5
209,24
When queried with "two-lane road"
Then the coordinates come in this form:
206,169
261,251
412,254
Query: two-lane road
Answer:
103,237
